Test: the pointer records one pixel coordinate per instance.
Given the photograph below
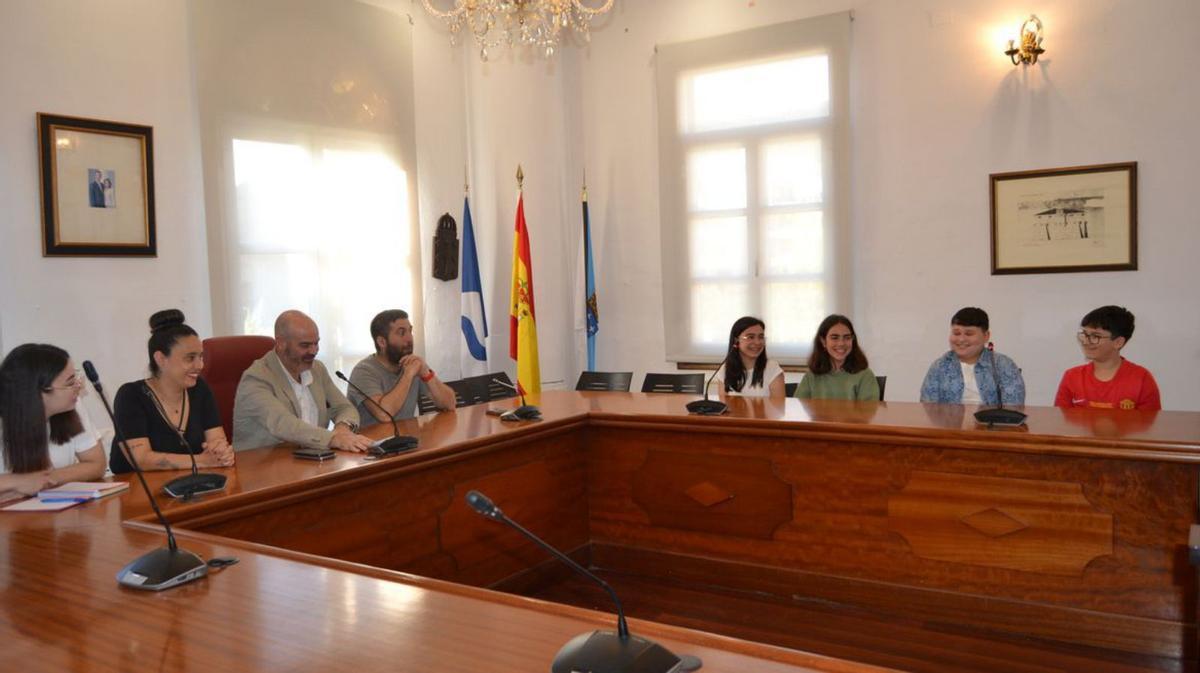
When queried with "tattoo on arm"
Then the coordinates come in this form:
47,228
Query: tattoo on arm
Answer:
165,463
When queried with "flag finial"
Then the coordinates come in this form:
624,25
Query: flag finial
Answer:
520,177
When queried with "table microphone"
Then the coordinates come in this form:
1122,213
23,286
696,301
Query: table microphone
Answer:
525,412
707,407
393,445
192,484
998,415
598,651
162,568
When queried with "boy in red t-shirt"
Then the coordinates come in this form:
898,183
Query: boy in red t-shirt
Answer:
1107,381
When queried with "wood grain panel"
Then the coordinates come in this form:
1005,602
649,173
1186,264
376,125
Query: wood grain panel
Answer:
720,494
840,524
1022,524
415,519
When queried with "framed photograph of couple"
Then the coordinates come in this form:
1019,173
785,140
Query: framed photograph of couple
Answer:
1064,220
97,187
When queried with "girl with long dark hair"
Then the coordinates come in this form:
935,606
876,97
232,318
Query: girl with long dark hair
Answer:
837,367
747,370
46,438
173,412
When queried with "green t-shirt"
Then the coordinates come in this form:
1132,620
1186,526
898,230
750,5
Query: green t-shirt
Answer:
839,386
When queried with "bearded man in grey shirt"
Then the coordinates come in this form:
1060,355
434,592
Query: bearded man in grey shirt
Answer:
394,376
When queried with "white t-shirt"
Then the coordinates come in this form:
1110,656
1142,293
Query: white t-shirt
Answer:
769,373
970,386
63,455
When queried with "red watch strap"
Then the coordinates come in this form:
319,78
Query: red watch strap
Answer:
428,377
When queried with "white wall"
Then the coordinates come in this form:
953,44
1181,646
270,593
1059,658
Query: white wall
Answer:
935,108
124,60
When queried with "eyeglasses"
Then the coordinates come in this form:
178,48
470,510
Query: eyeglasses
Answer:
753,337
1091,338
74,381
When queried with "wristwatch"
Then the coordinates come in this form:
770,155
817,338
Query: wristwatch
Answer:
428,377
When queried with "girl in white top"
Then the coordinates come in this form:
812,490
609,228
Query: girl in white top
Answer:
44,439
747,371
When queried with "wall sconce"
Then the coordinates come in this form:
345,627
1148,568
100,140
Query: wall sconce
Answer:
1031,43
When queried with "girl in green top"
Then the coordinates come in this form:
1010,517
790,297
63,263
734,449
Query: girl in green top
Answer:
837,368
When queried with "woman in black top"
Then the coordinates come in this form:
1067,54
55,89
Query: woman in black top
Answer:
173,412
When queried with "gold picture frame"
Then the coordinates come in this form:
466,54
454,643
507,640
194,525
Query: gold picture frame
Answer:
97,181
1065,220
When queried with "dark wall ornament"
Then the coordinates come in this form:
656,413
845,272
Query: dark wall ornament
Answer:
445,249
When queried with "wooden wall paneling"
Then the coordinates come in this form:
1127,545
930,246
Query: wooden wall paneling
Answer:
840,524
712,493
415,519
942,611
1020,524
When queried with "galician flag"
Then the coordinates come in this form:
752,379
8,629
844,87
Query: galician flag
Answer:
522,325
591,310
473,354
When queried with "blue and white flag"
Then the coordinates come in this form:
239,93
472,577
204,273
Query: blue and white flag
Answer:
473,354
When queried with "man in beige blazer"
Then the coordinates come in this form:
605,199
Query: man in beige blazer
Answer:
287,395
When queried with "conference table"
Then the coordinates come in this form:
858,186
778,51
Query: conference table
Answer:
1071,530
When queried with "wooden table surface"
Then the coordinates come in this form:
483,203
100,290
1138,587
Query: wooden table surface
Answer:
63,610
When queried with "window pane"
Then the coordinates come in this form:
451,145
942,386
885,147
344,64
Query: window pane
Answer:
718,247
289,200
268,178
717,179
714,308
792,312
755,94
792,172
793,243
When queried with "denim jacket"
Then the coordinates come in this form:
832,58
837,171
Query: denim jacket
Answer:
944,382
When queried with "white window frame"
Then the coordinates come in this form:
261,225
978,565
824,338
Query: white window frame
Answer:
826,34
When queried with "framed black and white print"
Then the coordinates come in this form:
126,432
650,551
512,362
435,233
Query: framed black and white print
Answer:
97,182
1063,220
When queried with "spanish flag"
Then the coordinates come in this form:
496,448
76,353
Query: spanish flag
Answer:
522,326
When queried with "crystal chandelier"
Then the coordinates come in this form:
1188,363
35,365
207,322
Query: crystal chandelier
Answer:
535,23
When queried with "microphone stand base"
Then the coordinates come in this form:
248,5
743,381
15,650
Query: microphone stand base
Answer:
194,484
525,412
606,652
393,446
162,569
707,407
999,416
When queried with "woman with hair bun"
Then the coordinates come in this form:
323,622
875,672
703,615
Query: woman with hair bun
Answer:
46,437
172,413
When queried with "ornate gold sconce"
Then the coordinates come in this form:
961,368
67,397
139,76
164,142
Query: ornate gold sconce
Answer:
1031,43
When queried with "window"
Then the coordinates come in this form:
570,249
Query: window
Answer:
752,143
321,225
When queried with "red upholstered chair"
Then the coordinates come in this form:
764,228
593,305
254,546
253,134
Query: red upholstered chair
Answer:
225,358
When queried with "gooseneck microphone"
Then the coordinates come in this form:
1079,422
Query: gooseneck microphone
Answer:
193,484
525,412
599,651
998,415
162,568
707,407
393,445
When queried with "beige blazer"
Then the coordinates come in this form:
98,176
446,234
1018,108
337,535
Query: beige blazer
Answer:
266,411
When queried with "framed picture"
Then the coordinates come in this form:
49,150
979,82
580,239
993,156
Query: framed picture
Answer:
1063,220
97,187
